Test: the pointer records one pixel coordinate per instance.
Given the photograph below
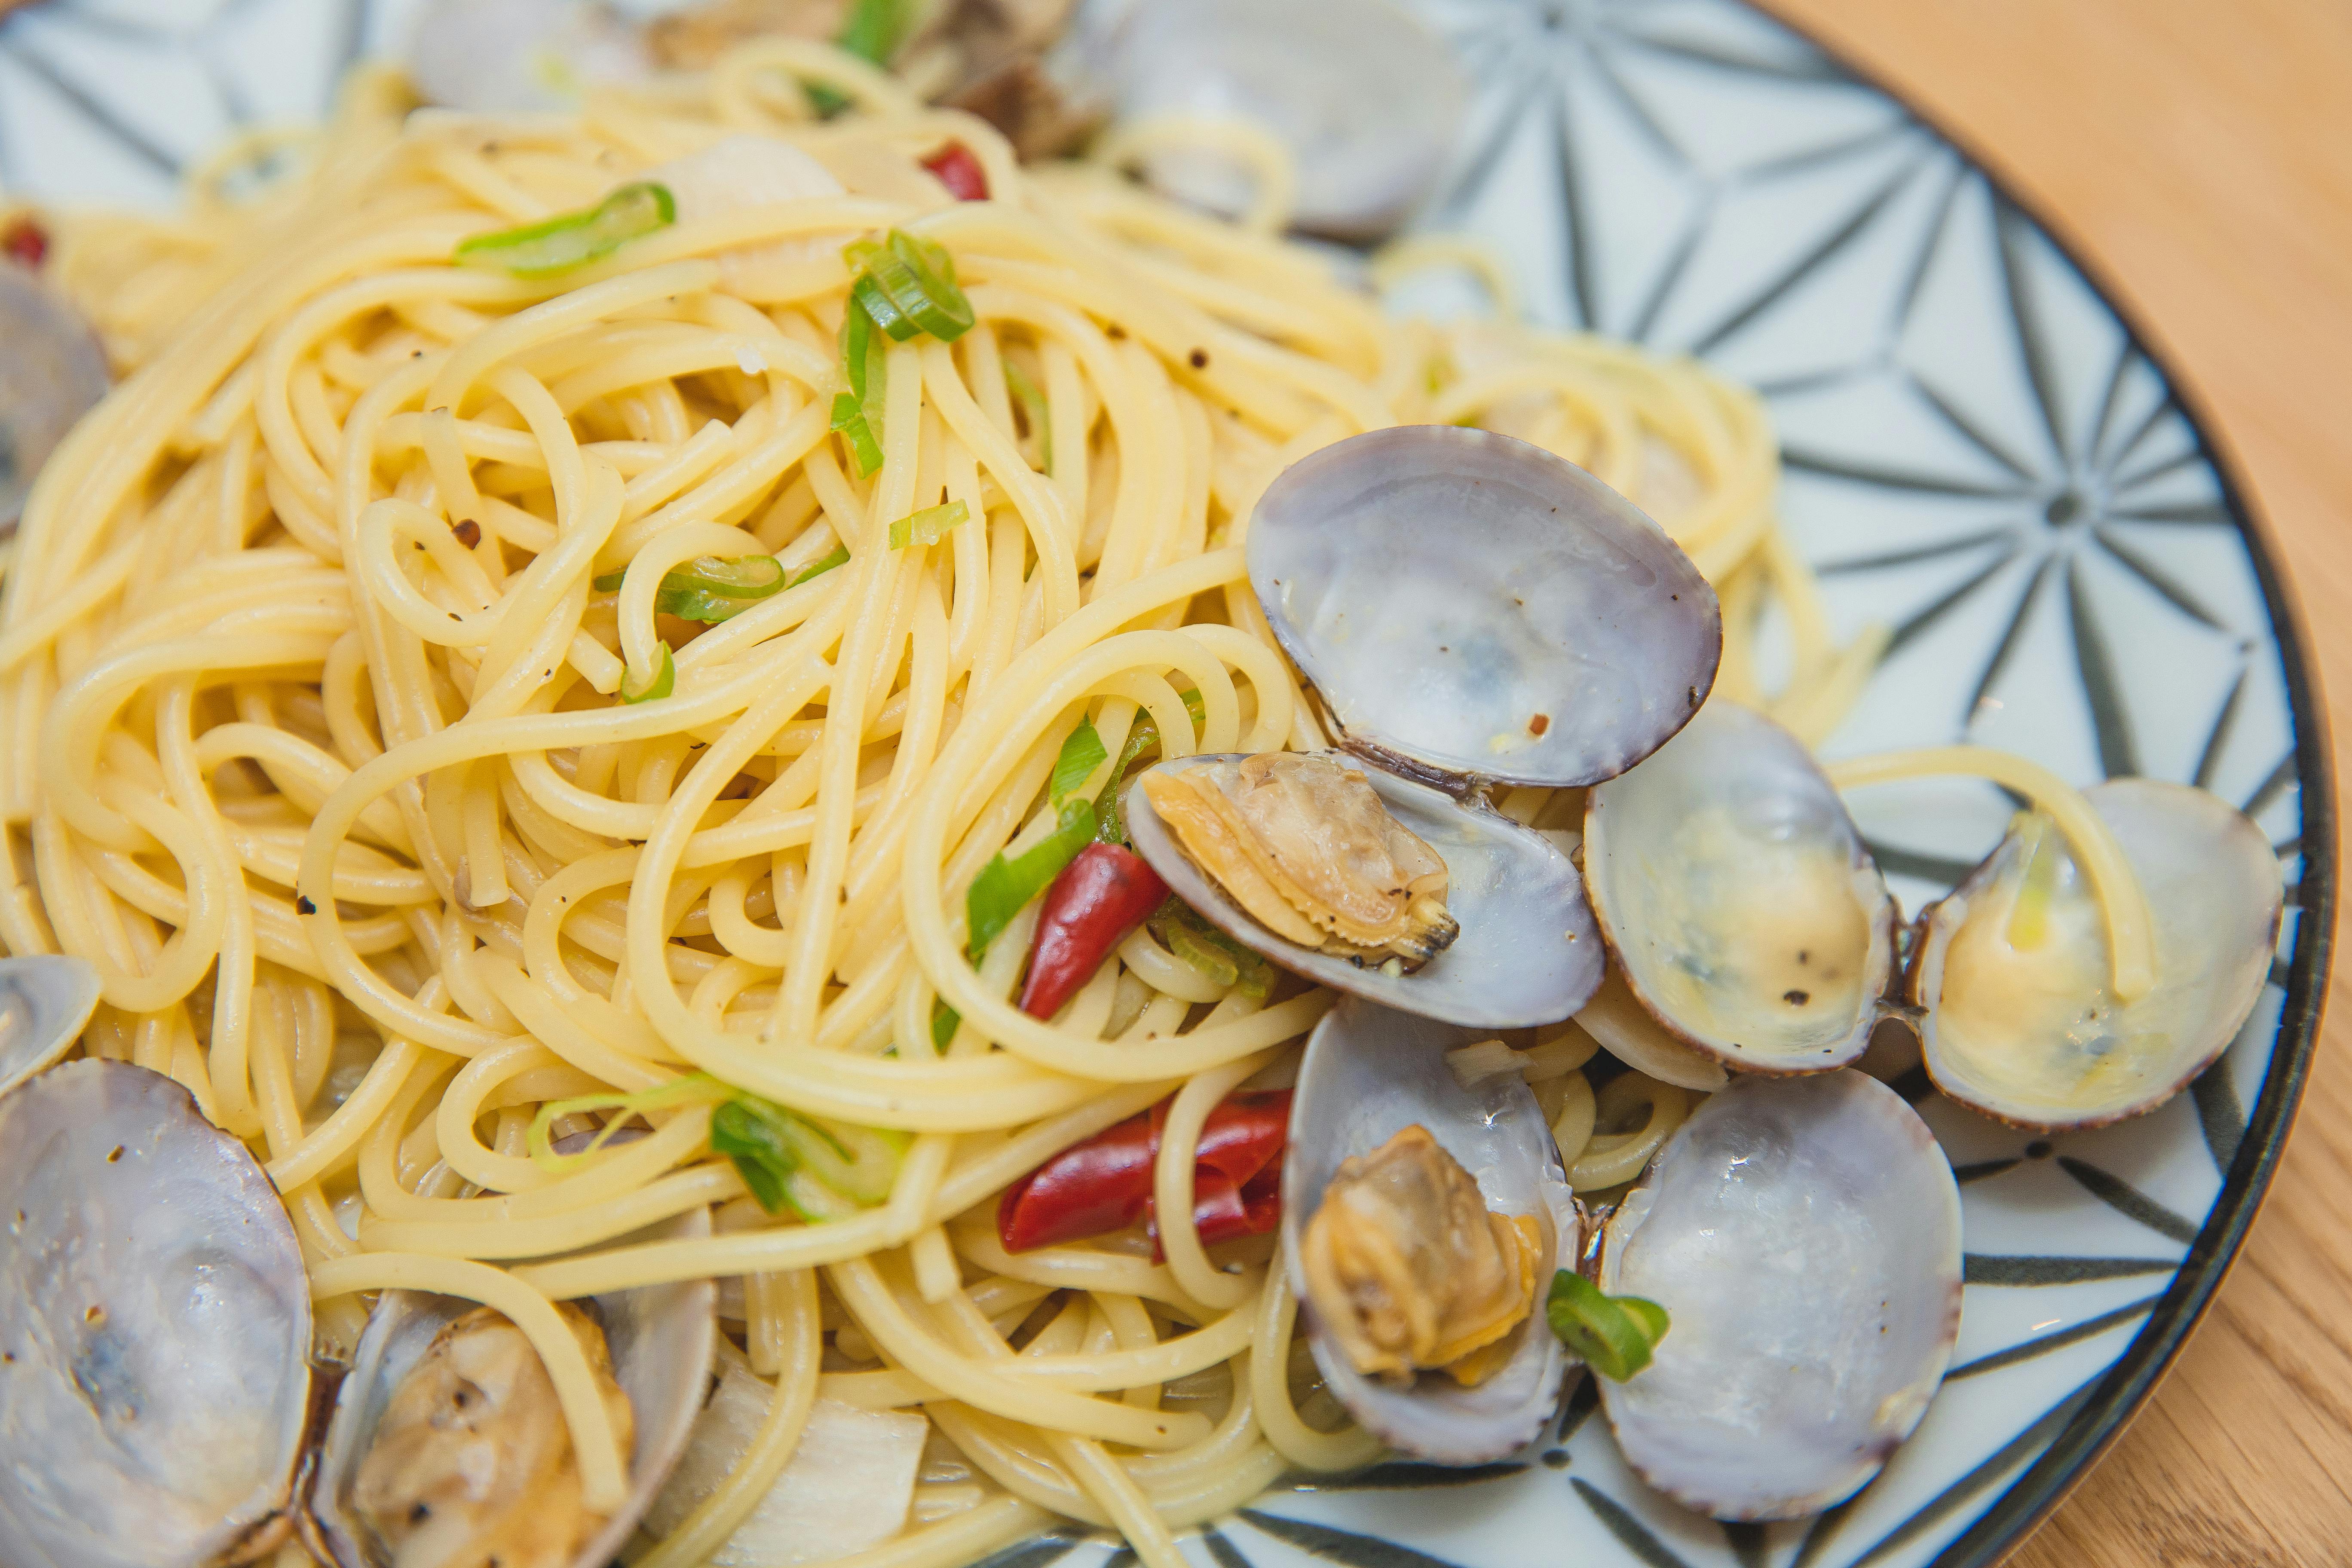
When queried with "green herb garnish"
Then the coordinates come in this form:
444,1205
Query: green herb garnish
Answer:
929,525
1615,1334
571,240
907,285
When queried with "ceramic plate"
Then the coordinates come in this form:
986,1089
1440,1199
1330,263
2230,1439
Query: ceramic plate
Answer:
1980,452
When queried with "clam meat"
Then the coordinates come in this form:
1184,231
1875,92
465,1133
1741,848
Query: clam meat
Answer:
1410,1271
1372,884
1420,1215
448,1445
1803,1235
1738,899
2011,970
1304,845
1467,608
472,1461
154,1330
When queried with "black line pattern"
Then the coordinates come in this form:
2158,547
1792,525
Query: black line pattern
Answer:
2128,1200
2057,1339
1630,1533
1400,1477
1341,1546
1974,1484
1981,1268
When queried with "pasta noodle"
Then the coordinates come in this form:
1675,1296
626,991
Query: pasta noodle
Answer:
314,680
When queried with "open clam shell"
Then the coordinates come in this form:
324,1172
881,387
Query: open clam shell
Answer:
1527,953
1370,1072
1804,1237
1467,606
45,1000
1738,899
2030,1033
661,1339
155,1329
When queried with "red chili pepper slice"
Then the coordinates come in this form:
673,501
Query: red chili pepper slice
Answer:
26,243
1099,897
1105,1184
960,171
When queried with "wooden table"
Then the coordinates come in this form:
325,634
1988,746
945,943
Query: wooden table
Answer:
2199,154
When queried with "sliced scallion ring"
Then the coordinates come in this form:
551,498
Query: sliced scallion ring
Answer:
865,446
573,239
838,557
907,285
661,681
1613,1334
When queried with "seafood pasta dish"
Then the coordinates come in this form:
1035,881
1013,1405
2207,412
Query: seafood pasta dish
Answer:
742,831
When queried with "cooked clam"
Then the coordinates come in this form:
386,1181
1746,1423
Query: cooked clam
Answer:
446,1437
1419,1216
1469,607
154,1330
44,1003
56,375
1363,97
1525,952
2011,969
1804,1237
1305,846
1738,897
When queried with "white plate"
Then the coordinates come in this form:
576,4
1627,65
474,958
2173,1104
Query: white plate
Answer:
1979,450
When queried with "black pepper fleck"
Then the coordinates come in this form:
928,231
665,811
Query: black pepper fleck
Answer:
1200,358
303,906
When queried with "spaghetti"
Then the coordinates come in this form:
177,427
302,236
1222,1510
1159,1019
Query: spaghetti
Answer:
317,660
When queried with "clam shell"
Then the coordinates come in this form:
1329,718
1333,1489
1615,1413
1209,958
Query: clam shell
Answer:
57,374
2053,1049
661,1341
1528,954
45,1002
1368,1073
1467,606
155,1397
1804,1237
1365,98
1738,899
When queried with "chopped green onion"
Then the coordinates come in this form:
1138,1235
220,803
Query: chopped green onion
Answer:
865,365
1615,1334
773,1148
709,588
1004,887
929,525
850,421
876,29
840,557
907,284
1082,753
662,681
1034,409
1220,959
945,1022
573,239
694,1088
1143,737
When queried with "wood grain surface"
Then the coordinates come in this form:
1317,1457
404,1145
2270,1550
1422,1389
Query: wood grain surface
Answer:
2198,154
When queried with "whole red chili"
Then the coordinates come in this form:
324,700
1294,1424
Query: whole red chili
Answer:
1100,896
1105,1184
960,171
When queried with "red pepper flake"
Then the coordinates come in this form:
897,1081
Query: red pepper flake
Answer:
1100,896
26,242
1104,1184
468,532
960,171
1539,723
